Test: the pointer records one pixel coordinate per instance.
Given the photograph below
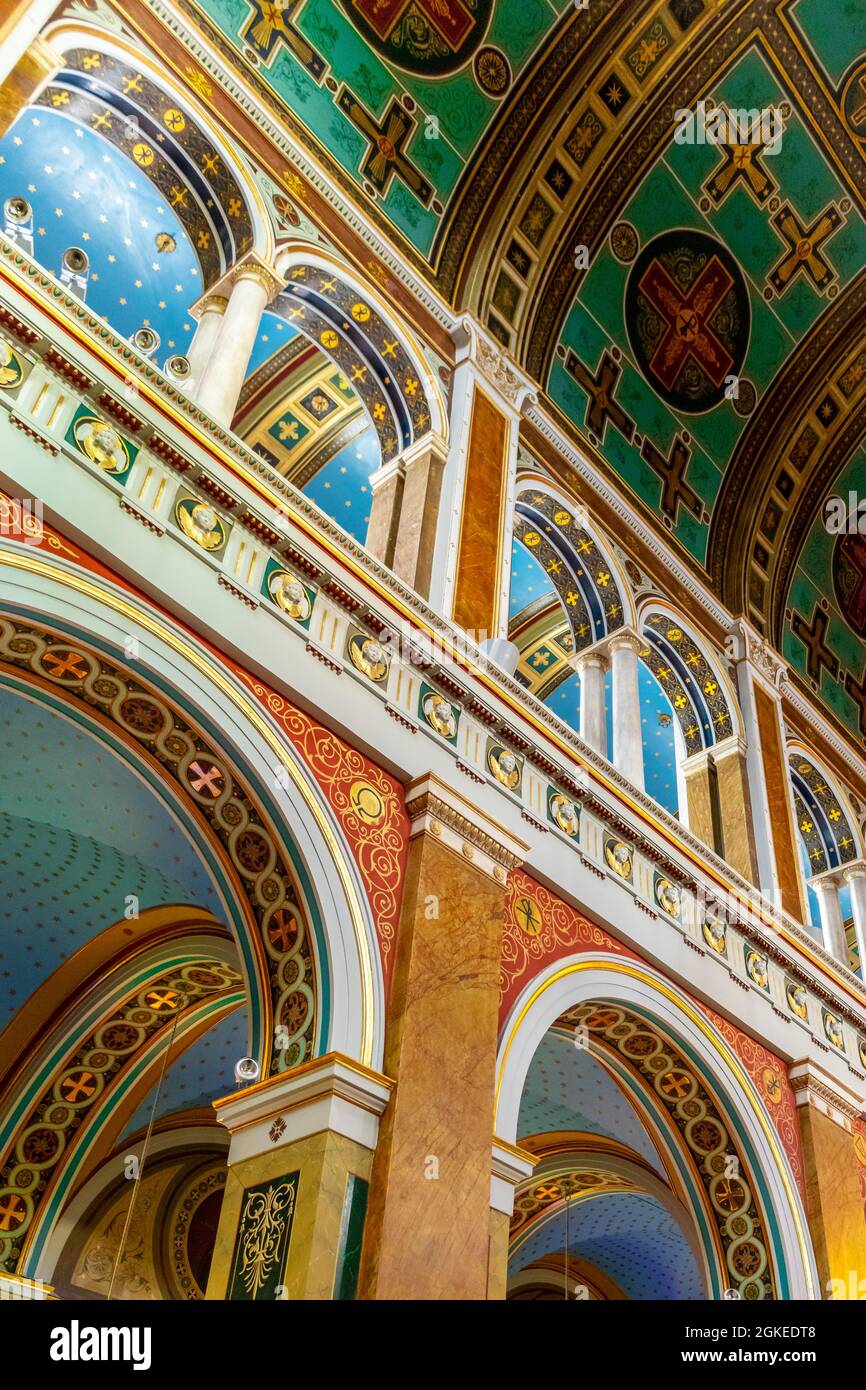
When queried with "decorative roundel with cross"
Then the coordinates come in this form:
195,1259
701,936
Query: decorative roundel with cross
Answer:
434,37
688,317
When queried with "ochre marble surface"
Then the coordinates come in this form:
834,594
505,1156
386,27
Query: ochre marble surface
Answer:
835,1163
736,809
324,1161
428,1220
776,779
476,589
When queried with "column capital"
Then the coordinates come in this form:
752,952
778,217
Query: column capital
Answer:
251,266
209,303
511,1165
327,1093
827,879
508,382
770,666
727,746
594,658
391,468
625,639
814,1086
433,806
854,869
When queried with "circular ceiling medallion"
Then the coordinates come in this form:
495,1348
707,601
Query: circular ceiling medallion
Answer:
429,39
688,316
624,242
492,71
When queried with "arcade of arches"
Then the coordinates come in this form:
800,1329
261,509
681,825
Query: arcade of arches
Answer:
432,695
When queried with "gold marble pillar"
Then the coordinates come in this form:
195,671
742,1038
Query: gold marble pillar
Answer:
428,1230
760,676
387,488
297,1185
423,467
701,799
834,1156
470,573
25,80
735,807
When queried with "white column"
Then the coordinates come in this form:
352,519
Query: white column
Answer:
832,926
627,737
593,724
253,285
209,313
855,877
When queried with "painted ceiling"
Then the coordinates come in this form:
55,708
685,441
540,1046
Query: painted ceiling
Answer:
79,832
201,1074
398,97
568,1089
630,1237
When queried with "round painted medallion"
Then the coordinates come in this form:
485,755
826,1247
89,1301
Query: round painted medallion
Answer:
688,317
430,37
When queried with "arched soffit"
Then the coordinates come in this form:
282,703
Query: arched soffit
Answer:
197,1155
176,1213
827,826
681,1058
797,444
378,357
584,572
267,901
699,691
298,411
117,90
62,1115
680,1187
657,1248
215,716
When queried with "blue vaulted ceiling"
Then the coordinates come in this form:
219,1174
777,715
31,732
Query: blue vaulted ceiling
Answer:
568,1089
79,832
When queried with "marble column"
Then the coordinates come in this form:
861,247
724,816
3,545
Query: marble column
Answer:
301,1149
386,485
699,812
209,312
511,1165
593,722
832,1139
429,1216
735,807
471,550
253,284
761,674
423,469
855,877
826,890
26,64
623,648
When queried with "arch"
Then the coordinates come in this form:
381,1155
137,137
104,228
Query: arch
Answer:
175,667
97,1053
699,691
157,122
568,987
826,825
585,573
378,355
